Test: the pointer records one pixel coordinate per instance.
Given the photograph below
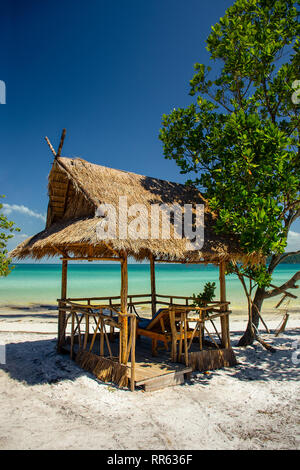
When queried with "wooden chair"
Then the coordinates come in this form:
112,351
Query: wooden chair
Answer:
164,326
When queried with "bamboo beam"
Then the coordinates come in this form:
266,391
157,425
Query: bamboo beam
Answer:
123,318
111,249
184,262
225,318
62,253
61,313
88,258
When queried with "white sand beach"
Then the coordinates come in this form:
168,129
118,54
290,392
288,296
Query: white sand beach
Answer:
48,402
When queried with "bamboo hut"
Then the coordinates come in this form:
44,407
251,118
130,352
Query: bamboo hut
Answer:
105,334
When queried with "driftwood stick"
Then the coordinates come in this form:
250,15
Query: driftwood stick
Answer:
267,346
281,300
283,325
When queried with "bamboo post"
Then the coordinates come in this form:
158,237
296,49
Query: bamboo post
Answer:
123,315
181,334
132,358
72,334
201,330
87,329
95,333
62,313
186,354
111,328
174,336
153,286
224,318
101,338
153,299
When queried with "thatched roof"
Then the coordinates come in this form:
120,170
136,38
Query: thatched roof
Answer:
76,188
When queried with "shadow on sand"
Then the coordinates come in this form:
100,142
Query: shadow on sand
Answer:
34,310
37,362
257,364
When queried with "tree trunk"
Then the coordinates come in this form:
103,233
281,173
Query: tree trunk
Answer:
249,335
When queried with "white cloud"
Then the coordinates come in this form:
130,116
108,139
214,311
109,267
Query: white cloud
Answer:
15,240
293,241
9,208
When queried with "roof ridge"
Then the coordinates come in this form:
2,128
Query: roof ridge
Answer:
135,174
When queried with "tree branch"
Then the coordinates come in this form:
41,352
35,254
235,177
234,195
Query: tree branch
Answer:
286,255
291,284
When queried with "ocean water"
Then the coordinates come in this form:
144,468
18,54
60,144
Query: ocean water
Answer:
40,283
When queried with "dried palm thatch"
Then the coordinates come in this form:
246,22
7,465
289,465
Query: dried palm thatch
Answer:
103,368
77,188
211,359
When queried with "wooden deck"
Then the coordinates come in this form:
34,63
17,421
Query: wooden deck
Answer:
151,373
155,375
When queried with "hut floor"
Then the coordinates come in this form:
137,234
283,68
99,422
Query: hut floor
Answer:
151,373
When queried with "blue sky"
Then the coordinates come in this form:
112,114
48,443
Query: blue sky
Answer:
105,70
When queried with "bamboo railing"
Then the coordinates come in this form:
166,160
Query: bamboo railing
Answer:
183,333
105,316
81,317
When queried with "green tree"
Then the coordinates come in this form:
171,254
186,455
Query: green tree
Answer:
240,137
7,227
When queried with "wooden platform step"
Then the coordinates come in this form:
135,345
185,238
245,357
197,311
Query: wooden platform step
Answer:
165,379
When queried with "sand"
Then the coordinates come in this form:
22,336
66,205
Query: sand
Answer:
48,402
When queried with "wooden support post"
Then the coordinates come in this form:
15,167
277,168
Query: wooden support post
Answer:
201,329
123,317
87,331
181,335
174,336
101,336
72,333
153,299
186,353
224,318
132,355
153,287
62,313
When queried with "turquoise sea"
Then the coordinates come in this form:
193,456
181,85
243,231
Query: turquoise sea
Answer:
40,283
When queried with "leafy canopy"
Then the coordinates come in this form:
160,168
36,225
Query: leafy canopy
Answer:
241,136
6,227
